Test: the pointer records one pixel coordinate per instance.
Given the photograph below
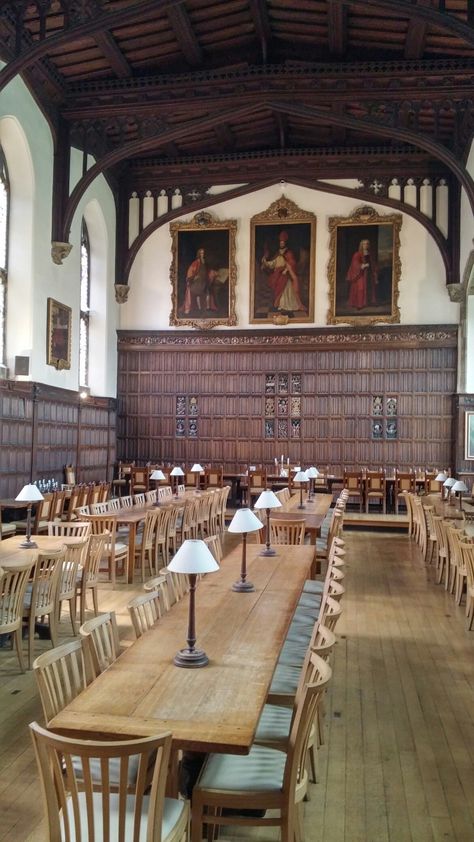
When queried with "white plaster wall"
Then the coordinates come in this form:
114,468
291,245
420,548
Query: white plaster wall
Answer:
423,297
32,276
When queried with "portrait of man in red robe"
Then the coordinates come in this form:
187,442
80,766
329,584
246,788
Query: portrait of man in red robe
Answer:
362,277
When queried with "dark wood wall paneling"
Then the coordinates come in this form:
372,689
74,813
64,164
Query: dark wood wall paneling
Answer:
465,467
44,428
341,372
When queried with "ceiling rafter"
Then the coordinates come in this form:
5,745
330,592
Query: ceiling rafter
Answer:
259,12
416,35
113,54
440,152
99,22
225,136
188,43
337,27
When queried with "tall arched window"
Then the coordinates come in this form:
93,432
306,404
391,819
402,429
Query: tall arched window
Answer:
4,215
85,302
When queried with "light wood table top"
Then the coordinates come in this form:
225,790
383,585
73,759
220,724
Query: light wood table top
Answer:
217,707
12,554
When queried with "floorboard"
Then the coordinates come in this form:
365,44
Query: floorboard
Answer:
398,760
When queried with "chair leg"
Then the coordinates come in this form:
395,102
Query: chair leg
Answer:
72,614
17,635
95,600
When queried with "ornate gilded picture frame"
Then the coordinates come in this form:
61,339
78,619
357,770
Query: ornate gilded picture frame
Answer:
282,264
58,333
364,268
203,272
469,449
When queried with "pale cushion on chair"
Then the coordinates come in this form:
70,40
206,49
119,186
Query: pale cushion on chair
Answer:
274,724
171,813
312,586
285,680
261,770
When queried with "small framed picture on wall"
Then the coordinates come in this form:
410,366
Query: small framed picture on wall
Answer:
58,333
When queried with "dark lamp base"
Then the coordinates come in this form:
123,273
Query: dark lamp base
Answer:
28,545
243,587
269,551
302,506
190,658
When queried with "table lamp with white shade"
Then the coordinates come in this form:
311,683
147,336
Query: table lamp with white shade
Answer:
312,473
177,472
198,470
460,488
267,500
158,476
441,477
448,484
29,494
244,521
301,477
192,559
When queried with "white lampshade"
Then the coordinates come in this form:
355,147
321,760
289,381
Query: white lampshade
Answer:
312,473
177,472
441,477
193,556
449,482
157,474
244,520
267,500
296,469
459,485
29,493
301,476
197,469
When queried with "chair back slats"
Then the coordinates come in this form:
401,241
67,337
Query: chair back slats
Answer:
103,645
13,583
287,531
60,675
74,529
146,609
77,807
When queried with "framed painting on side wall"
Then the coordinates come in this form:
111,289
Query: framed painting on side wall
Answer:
364,268
469,435
58,332
203,272
282,261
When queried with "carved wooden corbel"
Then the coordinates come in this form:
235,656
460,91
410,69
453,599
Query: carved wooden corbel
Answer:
455,292
59,251
121,293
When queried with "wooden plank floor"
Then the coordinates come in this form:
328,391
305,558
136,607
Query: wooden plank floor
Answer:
398,763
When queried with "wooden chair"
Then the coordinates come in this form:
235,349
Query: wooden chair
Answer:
375,489
6,529
75,500
75,529
13,585
61,675
121,482
214,477
404,481
74,563
140,480
287,531
103,645
146,609
97,509
215,546
41,596
70,475
257,482
266,779
431,551
151,497
467,552
139,499
432,485
222,508
442,561
145,549
43,514
114,551
354,483
58,506
97,810
88,581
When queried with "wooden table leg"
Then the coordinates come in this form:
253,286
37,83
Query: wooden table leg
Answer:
131,551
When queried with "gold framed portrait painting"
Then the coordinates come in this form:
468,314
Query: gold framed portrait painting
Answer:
364,268
203,272
282,264
58,350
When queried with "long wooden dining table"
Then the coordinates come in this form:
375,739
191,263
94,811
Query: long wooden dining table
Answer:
214,708
12,553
